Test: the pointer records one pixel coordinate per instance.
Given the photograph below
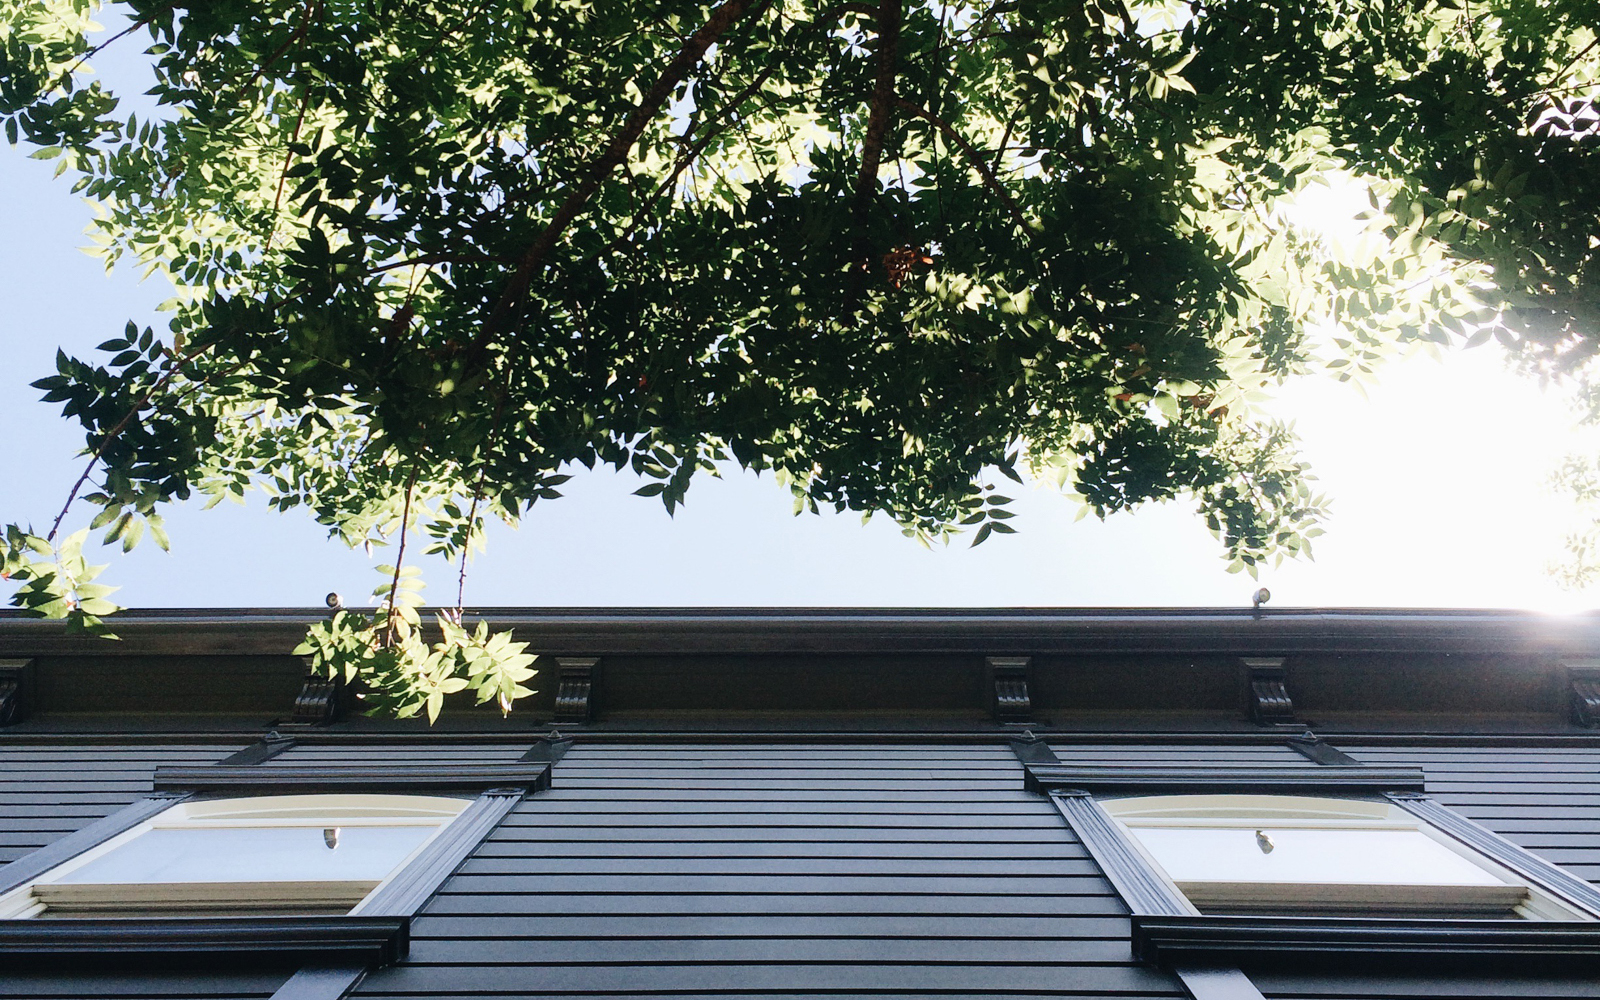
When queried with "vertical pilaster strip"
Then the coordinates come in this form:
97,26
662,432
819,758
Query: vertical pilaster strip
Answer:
321,982
1217,983
1142,888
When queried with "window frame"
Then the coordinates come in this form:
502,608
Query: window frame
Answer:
259,897
377,935
1497,893
1167,930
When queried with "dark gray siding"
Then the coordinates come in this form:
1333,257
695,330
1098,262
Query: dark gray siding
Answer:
713,871
783,870
48,791
209,984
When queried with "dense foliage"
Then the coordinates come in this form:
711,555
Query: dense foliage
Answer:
431,253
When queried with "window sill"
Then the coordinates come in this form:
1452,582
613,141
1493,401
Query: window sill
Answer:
374,940
1212,938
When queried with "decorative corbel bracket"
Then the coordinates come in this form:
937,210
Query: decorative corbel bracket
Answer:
577,690
1269,701
321,702
16,691
1011,701
1583,692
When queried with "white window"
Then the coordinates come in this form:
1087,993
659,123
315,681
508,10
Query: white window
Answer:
1285,854
277,854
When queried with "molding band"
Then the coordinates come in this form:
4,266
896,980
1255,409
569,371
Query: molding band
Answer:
353,778
379,940
1294,780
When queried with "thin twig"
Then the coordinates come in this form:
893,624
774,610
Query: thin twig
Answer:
111,435
130,29
399,557
298,33
288,161
694,151
972,156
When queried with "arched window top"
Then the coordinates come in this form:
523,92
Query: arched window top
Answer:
311,809
1252,810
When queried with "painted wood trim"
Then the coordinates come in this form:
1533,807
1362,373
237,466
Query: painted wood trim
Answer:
250,779
1312,747
321,982
1142,887
409,890
248,898
30,866
910,631
1227,939
376,939
1215,983
1249,780
264,749
1541,873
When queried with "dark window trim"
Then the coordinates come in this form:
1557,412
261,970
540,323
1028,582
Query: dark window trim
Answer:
410,778
1279,780
1210,938
1167,932
379,935
366,939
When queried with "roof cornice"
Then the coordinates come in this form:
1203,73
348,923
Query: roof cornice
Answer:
987,631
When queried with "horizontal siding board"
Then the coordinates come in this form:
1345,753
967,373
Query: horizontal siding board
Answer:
852,996
942,926
757,951
725,849
707,820
111,984
787,867
741,833
1099,980
603,811
593,904
759,776
930,794
819,784
849,885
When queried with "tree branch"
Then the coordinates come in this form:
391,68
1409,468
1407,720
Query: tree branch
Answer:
881,111
118,428
973,157
721,19
714,128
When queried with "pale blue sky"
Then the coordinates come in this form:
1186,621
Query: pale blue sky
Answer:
1437,481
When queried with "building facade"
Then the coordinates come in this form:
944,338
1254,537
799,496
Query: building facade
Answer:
840,804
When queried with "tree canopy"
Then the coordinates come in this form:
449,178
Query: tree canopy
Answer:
430,254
